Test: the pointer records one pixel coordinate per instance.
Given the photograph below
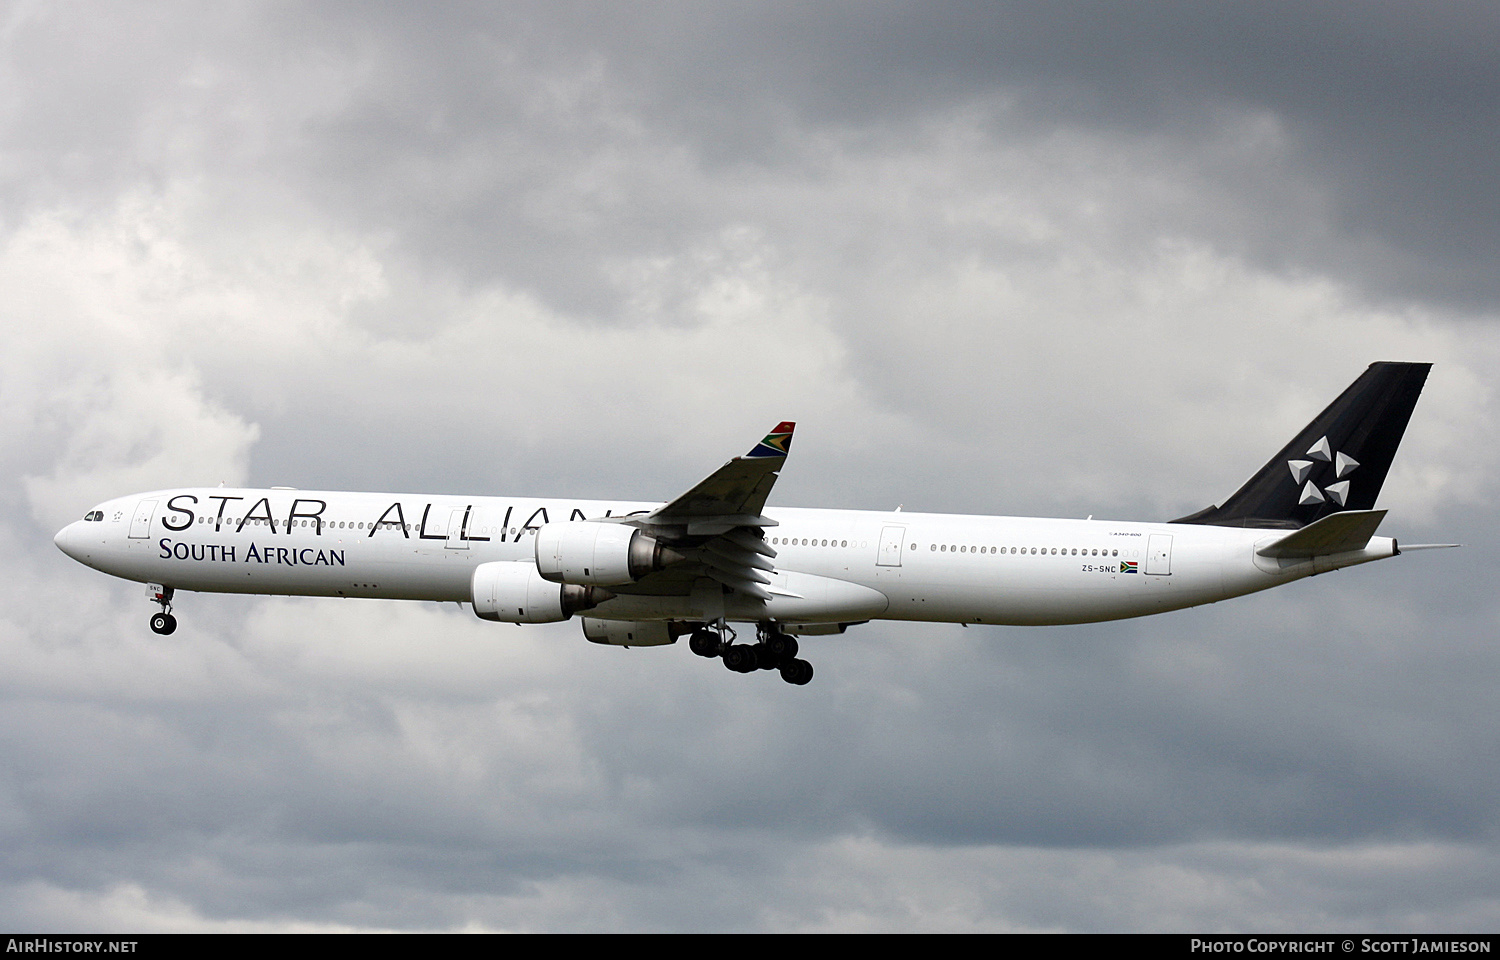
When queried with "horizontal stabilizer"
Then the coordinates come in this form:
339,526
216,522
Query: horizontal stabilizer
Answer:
1335,533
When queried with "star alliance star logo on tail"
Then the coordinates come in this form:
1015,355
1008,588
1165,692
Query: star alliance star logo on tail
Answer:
1343,465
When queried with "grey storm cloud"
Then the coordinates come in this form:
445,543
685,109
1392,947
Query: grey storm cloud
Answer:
1390,115
1058,259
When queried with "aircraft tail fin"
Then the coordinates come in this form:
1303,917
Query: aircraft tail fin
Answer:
1337,463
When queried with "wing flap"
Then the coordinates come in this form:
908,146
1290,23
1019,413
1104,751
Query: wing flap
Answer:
752,541
738,572
726,549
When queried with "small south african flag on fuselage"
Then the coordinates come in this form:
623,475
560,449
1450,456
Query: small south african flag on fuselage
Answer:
1127,566
776,443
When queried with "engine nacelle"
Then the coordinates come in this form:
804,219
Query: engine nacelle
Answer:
511,591
601,554
632,633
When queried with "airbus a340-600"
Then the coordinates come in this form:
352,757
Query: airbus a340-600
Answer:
644,574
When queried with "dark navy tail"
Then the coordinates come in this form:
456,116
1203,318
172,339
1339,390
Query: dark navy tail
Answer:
1338,462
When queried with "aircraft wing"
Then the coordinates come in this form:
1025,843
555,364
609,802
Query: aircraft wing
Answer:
718,524
733,495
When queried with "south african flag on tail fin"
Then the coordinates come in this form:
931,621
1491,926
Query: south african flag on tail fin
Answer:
776,443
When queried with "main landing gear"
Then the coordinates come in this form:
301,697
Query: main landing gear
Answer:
162,623
773,650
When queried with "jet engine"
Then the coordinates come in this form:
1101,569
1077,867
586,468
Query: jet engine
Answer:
601,554
632,633
511,591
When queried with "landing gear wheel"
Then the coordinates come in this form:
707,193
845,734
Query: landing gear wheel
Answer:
784,647
766,657
740,657
162,623
705,643
798,672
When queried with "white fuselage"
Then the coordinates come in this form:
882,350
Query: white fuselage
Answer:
831,565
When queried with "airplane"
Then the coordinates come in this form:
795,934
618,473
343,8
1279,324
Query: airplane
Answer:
646,574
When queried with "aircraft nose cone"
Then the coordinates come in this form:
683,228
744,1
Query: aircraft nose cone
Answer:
66,540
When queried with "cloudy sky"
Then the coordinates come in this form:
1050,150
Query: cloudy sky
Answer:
1034,258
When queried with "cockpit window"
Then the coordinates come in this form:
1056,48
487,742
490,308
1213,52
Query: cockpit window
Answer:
94,515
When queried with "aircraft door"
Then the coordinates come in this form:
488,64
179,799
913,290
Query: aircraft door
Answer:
891,540
456,539
140,524
1159,554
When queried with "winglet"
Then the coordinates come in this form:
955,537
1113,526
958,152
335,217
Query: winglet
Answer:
777,443
733,495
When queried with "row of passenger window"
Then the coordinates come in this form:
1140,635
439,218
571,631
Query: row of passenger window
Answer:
959,548
281,524
351,525
776,541
1033,551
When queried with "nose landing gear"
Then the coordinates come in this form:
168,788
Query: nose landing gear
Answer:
162,623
